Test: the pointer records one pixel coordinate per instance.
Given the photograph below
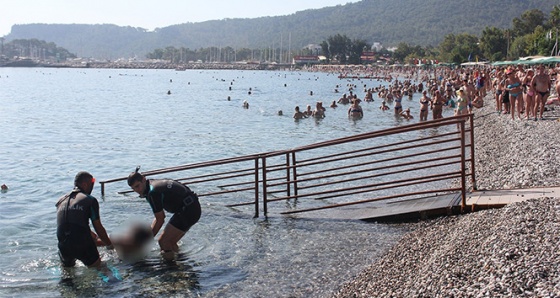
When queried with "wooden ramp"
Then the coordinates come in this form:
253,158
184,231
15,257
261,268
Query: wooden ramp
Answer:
393,211
432,206
485,199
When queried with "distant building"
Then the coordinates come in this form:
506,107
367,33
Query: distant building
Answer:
309,59
314,48
368,57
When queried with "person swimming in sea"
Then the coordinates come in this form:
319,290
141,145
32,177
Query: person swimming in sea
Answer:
406,114
383,106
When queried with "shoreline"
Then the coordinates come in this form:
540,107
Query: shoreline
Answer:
504,252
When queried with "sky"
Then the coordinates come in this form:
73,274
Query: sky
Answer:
147,14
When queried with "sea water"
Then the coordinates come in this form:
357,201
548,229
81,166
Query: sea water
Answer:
56,122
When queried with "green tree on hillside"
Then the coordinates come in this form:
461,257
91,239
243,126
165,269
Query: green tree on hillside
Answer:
459,48
493,43
528,21
34,48
357,47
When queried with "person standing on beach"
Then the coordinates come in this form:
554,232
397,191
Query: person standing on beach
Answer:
515,90
541,83
529,93
173,197
74,211
462,101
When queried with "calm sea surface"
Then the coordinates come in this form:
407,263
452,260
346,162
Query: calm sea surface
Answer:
56,122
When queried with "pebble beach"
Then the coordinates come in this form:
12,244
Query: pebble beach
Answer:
507,252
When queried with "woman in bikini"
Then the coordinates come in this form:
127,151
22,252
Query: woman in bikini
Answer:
513,85
462,102
437,105
355,111
398,106
424,104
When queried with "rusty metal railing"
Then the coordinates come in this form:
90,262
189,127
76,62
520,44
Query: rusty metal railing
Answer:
415,160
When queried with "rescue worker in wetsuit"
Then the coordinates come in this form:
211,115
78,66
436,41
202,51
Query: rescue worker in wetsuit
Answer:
74,211
173,197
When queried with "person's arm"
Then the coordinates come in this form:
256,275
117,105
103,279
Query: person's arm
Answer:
96,239
101,233
158,221
97,226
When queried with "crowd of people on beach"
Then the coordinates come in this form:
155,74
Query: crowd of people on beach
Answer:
518,90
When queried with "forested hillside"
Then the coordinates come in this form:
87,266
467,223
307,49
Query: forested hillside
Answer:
389,22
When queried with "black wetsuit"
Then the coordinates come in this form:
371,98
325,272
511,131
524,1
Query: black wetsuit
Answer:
176,198
74,211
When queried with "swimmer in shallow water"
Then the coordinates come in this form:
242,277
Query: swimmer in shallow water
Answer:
298,114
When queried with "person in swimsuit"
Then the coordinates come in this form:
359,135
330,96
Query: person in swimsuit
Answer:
424,105
319,111
478,101
462,102
529,93
437,105
398,106
383,106
355,111
343,100
308,112
173,197
513,86
299,115
406,114
498,87
541,83
74,211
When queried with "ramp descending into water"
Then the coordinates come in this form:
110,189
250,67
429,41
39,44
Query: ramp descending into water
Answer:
409,171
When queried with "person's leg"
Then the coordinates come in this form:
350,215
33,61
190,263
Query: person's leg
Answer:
67,261
168,241
538,98
543,103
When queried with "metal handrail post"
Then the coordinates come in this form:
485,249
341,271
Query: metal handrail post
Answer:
288,184
256,187
473,172
294,174
463,168
264,184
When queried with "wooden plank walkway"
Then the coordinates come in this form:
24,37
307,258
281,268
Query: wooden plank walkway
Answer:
485,199
432,206
395,211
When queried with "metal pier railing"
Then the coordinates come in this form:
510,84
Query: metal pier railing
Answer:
403,162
